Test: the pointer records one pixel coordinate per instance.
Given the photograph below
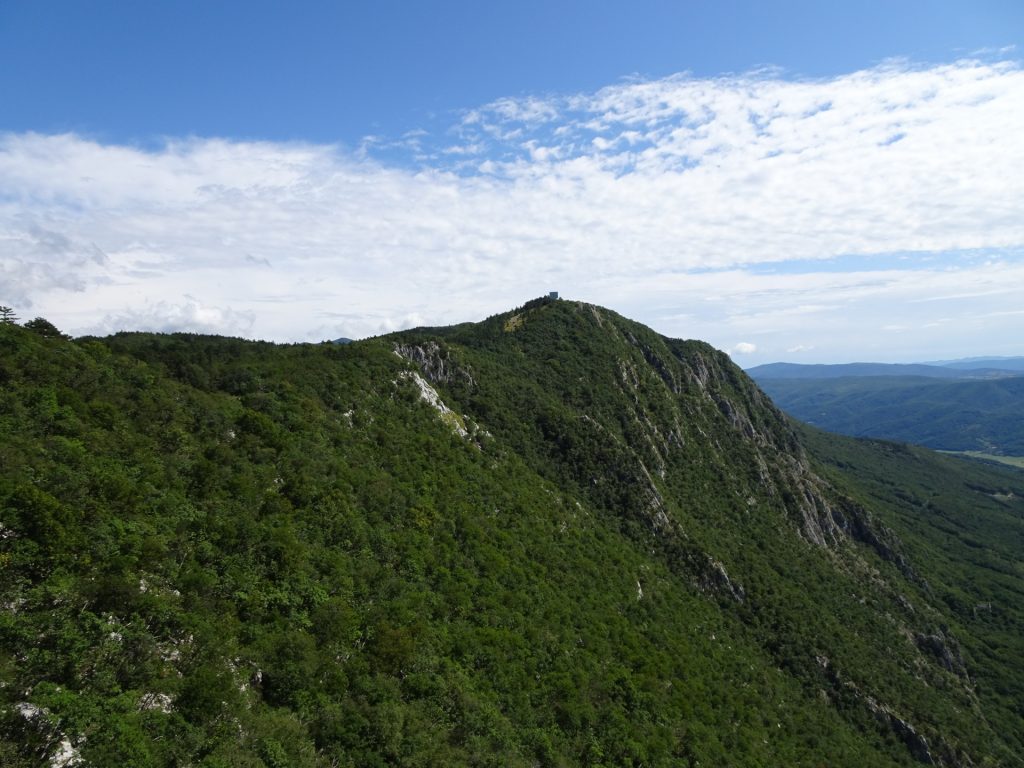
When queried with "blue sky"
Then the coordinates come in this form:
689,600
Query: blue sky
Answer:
337,71
808,181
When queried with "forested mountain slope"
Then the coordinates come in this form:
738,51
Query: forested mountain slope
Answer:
550,538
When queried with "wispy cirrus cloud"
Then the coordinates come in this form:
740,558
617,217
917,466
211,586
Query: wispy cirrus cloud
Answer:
701,206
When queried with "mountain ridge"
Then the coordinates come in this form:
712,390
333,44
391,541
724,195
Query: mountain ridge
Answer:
553,537
1002,362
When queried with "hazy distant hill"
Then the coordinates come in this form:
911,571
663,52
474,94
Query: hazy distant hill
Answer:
972,363
962,414
550,538
961,370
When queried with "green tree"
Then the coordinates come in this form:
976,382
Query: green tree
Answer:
7,315
44,327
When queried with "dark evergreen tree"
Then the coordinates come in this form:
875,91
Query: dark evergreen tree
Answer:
44,327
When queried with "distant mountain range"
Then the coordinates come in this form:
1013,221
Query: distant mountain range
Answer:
975,404
971,368
973,363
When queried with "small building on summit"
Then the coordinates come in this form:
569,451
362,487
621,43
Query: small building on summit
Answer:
553,295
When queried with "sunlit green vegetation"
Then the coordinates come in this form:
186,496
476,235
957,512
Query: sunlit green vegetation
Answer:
228,553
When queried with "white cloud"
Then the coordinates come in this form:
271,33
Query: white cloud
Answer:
743,348
163,317
658,198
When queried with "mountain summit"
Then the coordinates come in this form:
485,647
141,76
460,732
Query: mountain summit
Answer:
553,537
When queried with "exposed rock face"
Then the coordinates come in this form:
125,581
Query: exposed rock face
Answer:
936,752
60,751
783,470
695,374
430,396
824,516
66,755
716,579
917,744
434,363
944,649
654,504
701,371
155,702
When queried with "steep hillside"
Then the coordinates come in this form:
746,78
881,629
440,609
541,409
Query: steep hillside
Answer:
963,523
963,415
550,538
